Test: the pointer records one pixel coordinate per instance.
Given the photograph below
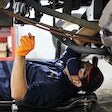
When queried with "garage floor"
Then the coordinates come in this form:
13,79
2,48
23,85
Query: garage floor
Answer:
104,93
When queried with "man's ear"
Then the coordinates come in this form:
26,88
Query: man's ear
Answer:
77,83
76,80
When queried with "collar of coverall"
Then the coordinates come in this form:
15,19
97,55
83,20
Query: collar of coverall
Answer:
73,65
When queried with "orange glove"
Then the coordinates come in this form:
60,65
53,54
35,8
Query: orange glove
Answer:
27,44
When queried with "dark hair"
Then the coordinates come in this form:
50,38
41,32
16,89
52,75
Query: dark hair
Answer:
93,81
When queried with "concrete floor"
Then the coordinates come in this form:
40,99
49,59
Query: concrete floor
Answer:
104,93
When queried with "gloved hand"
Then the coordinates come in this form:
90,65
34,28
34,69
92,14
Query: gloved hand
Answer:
27,44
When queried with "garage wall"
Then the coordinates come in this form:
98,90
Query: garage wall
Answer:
44,47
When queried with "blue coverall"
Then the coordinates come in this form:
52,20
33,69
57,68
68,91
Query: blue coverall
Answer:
48,85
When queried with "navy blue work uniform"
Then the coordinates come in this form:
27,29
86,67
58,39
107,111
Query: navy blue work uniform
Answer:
48,85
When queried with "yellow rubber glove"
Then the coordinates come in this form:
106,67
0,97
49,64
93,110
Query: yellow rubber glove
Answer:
27,44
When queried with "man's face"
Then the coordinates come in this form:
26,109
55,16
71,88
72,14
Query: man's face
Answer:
85,70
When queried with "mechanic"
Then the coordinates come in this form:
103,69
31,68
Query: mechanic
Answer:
37,83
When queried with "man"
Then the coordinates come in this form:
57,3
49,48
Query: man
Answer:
37,83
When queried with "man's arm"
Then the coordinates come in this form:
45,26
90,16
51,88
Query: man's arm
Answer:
18,76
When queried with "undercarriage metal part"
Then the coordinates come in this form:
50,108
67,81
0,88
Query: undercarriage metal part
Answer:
3,3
